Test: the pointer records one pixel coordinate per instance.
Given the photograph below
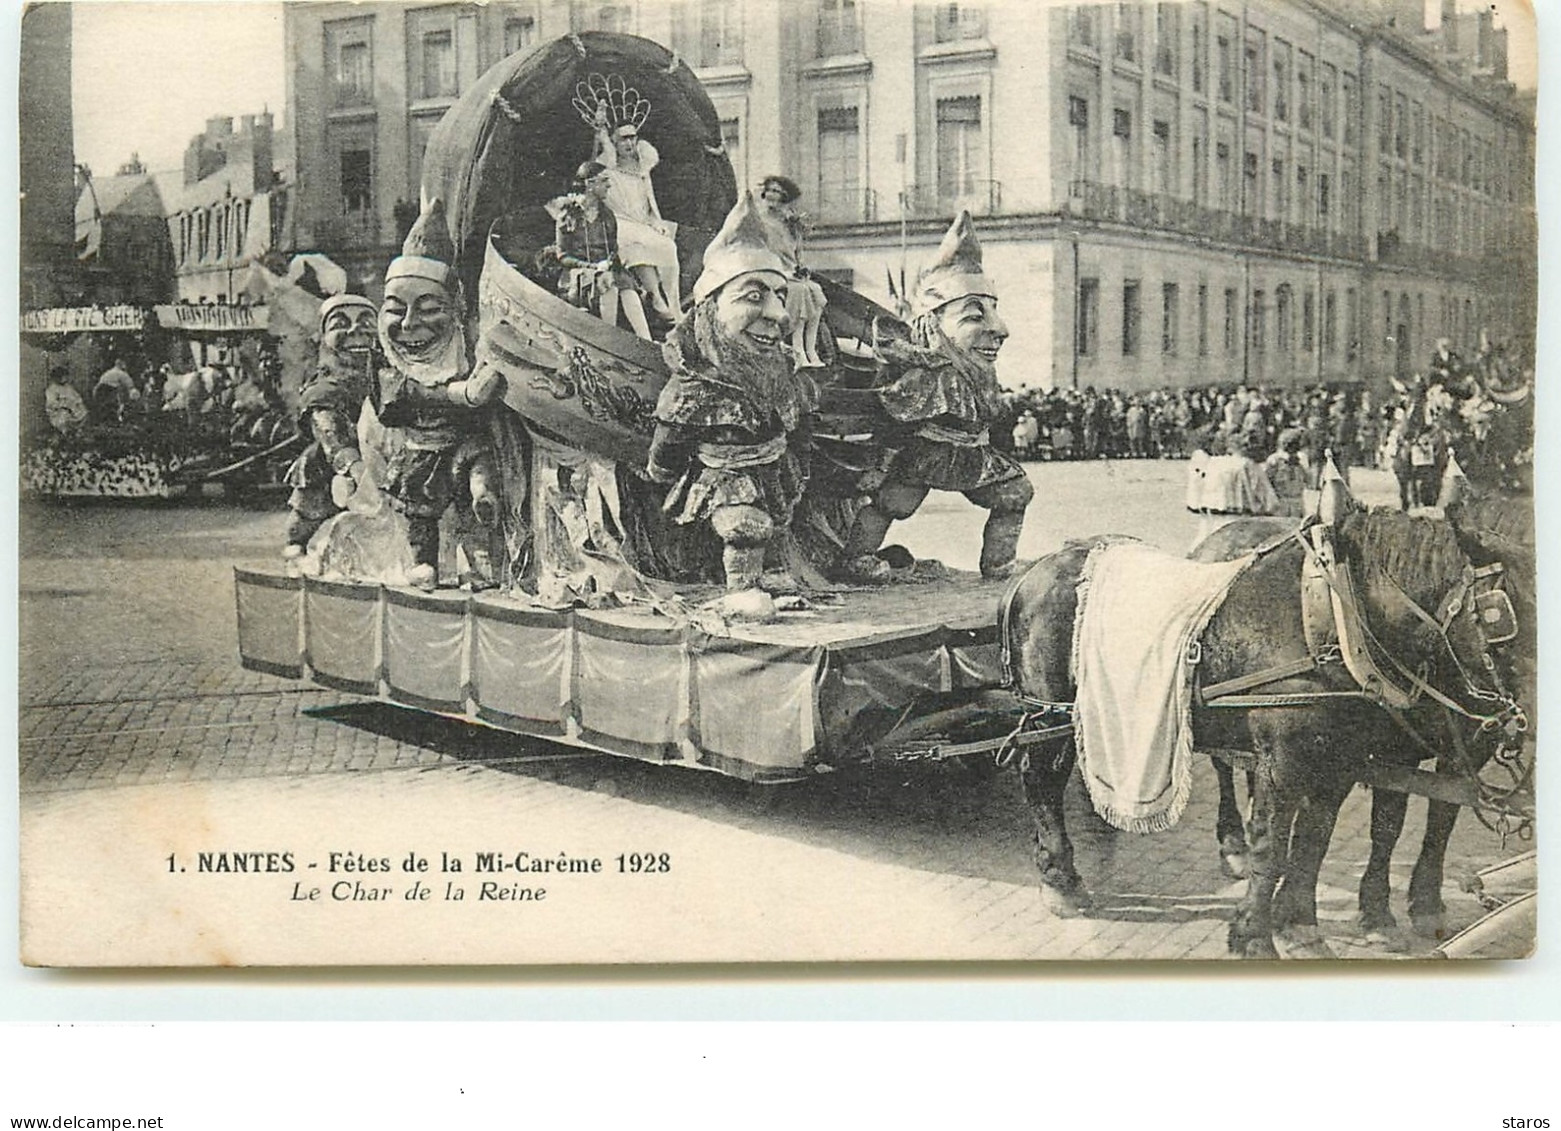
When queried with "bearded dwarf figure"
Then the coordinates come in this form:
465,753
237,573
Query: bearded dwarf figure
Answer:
425,393
945,396
730,435
330,402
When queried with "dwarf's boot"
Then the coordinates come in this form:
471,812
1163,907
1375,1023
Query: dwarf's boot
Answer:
1000,543
744,567
423,536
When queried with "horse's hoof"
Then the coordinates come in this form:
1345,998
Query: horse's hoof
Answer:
1303,942
1065,905
1431,926
1244,947
1389,939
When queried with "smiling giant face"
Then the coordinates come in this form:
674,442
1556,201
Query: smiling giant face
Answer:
752,308
350,330
972,323
417,317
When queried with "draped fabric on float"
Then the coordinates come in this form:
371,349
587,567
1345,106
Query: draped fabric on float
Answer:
766,705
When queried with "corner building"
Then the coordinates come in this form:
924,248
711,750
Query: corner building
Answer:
1278,192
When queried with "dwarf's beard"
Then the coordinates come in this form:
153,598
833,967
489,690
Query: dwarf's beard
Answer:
434,368
766,373
344,360
928,333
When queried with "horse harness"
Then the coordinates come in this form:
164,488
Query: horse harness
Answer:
1336,634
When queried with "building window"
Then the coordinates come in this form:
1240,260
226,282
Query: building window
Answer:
1230,320
1308,320
720,33
1384,121
1401,127
1127,32
1284,319
1083,29
520,33
1222,172
1200,50
1323,203
1330,342
959,146
1170,315
1078,121
1167,31
1162,158
1224,58
838,30
1417,150
1257,315
1250,200
357,181
954,22
1122,148
585,16
1200,160
1087,332
1203,320
1351,324
1351,91
1281,81
1281,187
1326,85
1303,91
438,62
1255,61
350,62
1387,323
1130,318
839,184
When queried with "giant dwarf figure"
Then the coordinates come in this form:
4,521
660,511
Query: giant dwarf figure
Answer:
428,393
945,397
329,404
729,436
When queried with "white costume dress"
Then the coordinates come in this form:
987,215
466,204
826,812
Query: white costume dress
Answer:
633,201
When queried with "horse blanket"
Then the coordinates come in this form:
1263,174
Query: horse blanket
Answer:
1140,612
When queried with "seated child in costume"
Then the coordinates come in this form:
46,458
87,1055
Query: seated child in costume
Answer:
586,242
804,298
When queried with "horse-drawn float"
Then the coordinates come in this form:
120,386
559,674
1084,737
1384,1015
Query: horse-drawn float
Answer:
1350,651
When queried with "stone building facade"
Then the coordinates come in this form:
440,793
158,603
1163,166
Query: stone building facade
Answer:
1213,191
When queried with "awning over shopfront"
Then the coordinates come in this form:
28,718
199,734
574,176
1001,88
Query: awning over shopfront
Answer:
212,318
76,319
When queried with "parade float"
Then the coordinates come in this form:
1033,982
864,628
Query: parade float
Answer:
635,663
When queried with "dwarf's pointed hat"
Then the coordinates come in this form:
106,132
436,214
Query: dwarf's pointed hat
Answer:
427,252
956,272
739,247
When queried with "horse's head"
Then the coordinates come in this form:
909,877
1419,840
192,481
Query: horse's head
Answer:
1434,616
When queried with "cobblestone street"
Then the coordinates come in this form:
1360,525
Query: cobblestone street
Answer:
132,698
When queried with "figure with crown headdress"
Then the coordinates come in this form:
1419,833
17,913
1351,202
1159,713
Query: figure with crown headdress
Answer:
729,439
429,393
943,394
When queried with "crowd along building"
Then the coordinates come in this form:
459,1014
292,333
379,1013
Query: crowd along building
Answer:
1276,192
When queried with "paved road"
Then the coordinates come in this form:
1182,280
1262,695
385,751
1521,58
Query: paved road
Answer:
132,698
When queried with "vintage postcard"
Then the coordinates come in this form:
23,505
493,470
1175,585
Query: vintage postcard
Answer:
717,481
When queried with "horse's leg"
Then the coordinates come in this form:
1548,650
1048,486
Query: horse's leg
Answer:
1228,825
1388,807
1295,904
1426,909
1045,772
1274,803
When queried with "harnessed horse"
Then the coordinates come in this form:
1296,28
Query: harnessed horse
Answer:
1410,669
